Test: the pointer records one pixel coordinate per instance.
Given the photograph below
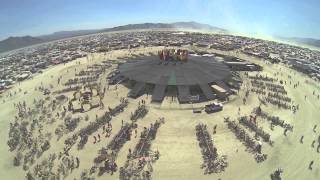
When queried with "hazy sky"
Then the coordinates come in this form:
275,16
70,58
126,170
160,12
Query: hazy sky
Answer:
299,18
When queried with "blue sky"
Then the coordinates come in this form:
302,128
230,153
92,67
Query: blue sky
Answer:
291,18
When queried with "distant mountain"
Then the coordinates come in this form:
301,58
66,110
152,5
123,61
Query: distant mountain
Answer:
306,41
177,25
66,34
19,42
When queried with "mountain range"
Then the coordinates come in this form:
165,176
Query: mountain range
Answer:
12,43
19,42
306,41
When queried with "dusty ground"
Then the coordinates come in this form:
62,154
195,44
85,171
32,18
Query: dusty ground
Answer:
176,140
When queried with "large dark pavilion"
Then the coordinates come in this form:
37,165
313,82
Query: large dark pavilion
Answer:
175,73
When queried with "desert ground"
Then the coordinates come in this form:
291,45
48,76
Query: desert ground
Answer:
180,154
